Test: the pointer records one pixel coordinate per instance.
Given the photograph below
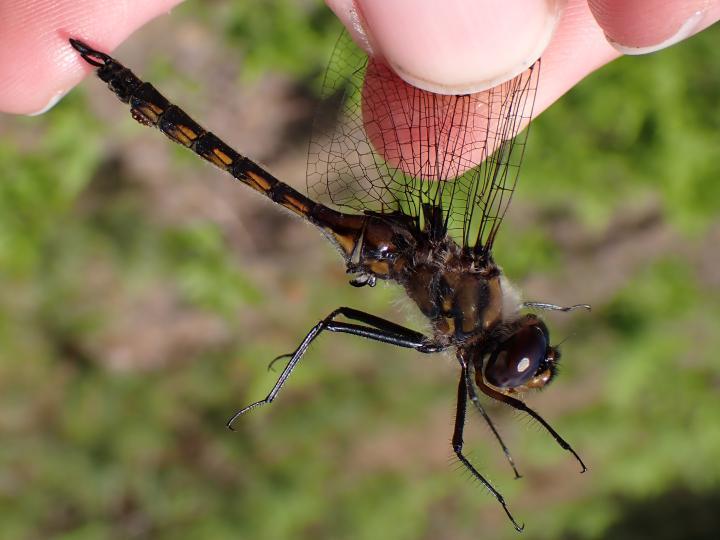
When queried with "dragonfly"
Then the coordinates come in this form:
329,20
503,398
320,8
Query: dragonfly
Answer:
411,187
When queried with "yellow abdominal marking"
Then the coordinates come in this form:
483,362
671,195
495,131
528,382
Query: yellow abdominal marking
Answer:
189,133
261,183
294,204
347,243
223,157
151,112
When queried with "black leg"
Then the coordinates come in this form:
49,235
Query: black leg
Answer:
385,326
553,307
457,444
519,405
476,401
379,330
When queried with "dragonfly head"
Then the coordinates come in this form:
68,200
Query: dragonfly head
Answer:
522,358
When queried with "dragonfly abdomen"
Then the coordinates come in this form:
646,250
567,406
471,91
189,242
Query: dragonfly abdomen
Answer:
150,108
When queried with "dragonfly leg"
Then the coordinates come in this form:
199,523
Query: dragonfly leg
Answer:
519,405
457,444
377,329
476,401
553,307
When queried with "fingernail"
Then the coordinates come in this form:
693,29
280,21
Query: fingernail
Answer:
347,12
50,104
459,46
656,39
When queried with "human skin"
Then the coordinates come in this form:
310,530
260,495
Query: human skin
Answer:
454,46
441,44
460,53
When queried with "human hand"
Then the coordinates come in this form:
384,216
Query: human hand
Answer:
464,46
37,64
449,51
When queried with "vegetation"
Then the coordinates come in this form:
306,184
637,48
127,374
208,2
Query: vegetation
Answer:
142,296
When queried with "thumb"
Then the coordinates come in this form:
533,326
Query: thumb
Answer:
454,46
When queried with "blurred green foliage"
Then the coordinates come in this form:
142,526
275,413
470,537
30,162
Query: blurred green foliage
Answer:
286,35
662,107
96,444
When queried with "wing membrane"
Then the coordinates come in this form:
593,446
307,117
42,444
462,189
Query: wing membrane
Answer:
381,145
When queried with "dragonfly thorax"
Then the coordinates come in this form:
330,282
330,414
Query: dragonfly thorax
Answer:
463,299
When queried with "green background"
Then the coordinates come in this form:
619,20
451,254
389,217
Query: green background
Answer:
142,295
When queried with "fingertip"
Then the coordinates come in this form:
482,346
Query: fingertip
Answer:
646,26
37,64
54,100
346,11
577,49
452,47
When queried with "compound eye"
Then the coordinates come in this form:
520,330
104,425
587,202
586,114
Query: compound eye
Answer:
517,360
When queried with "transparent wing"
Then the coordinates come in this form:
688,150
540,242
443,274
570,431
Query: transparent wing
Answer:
381,145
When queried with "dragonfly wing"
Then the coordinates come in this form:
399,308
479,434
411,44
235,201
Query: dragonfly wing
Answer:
380,145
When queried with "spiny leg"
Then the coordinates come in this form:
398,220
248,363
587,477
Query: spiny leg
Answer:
378,330
476,401
382,324
519,405
457,444
553,307
378,323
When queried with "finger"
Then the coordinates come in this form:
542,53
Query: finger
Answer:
454,46
577,49
37,64
401,126
644,26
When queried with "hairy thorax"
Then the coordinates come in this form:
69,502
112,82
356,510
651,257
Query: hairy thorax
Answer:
461,298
